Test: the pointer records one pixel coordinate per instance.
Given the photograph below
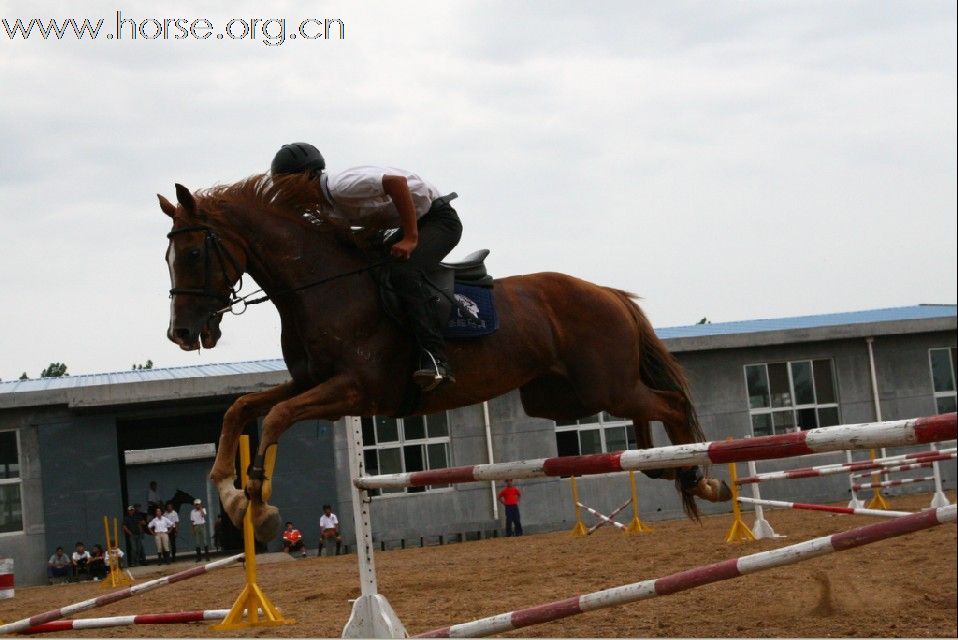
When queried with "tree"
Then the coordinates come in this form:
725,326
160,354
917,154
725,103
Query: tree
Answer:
55,370
24,376
704,321
147,365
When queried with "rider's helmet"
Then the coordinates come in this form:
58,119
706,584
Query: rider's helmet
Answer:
297,157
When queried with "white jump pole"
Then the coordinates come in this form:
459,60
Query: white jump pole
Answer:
372,617
939,499
761,528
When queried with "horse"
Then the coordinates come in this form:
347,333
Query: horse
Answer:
179,499
571,348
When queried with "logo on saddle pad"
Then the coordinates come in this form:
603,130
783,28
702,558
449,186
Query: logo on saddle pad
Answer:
468,305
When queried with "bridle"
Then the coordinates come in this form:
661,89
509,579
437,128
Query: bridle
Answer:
213,249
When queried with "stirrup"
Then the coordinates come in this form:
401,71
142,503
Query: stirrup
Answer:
428,378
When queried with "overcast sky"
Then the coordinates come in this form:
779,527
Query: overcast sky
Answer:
733,160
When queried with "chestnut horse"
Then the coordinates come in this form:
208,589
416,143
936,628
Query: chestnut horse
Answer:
572,348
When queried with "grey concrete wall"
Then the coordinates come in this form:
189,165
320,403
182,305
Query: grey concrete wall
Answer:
27,548
305,478
81,479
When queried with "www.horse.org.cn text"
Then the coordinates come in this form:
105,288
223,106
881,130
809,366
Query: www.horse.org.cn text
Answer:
270,31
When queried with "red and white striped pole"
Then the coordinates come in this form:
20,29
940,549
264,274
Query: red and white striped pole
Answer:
886,465
122,621
897,469
881,513
6,578
696,577
113,596
838,438
893,483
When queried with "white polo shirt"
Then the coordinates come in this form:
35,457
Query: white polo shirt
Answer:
198,516
328,522
172,516
358,197
160,525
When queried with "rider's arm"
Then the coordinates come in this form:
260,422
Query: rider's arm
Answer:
397,189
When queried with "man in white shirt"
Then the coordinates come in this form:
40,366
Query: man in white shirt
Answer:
81,560
171,515
160,528
329,530
377,197
153,497
198,526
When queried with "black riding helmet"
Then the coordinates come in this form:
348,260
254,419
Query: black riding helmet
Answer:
297,157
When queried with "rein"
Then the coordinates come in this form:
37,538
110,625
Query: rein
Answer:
212,240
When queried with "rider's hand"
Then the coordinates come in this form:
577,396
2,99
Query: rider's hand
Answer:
403,248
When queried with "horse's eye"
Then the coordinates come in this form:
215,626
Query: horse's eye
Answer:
194,253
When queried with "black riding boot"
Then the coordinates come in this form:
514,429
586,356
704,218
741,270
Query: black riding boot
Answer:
199,558
421,305
206,550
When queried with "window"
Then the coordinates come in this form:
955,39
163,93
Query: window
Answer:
11,507
787,396
943,378
400,445
601,433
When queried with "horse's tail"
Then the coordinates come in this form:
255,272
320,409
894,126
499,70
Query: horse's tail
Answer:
660,371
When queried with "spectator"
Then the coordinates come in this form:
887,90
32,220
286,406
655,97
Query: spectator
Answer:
133,535
81,561
198,525
153,497
142,519
59,566
98,563
509,496
115,551
293,540
160,527
329,530
171,515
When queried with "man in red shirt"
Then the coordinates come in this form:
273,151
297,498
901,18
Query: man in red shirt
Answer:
293,540
509,496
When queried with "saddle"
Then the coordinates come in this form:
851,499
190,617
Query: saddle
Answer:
463,295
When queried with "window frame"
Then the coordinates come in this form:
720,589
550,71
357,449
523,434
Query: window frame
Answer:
602,426
791,408
936,395
400,443
19,482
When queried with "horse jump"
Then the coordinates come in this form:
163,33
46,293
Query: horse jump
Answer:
881,513
635,525
373,617
884,465
696,577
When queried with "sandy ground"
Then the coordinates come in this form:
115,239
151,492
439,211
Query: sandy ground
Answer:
905,587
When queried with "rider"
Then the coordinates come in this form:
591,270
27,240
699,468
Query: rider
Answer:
429,229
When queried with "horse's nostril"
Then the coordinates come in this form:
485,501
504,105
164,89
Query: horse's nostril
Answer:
183,334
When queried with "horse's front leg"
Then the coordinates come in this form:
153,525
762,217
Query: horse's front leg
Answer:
332,399
246,409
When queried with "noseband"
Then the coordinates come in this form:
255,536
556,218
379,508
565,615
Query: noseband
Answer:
212,249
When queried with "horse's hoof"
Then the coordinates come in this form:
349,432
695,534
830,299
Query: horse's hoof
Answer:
235,507
267,525
713,490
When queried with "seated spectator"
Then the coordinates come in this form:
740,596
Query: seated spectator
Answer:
98,566
329,531
293,540
59,566
81,561
120,563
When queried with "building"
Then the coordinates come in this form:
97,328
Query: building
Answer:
77,448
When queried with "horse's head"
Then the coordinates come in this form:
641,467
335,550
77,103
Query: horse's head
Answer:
204,272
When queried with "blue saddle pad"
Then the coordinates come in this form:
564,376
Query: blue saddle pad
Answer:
474,315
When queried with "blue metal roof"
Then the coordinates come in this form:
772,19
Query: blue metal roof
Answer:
144,375
916,312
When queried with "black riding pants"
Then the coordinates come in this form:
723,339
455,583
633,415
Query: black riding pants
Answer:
439,232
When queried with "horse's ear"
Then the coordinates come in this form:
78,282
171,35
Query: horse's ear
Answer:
185,198
168,207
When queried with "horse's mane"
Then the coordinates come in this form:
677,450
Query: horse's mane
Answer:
288,196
